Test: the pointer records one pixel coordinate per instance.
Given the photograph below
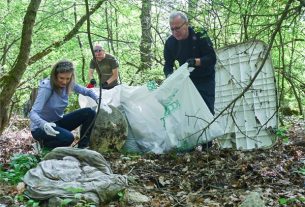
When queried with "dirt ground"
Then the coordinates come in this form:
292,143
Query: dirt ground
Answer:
217,177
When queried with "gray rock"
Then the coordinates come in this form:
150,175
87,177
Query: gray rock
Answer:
253,200
136,197
109,132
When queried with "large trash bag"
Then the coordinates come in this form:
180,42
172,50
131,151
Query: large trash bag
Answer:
171,116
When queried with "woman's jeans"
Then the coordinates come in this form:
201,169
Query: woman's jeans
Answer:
82,117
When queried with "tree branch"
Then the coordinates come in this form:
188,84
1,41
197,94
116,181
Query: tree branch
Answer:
66,38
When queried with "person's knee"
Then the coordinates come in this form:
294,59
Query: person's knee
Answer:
90,113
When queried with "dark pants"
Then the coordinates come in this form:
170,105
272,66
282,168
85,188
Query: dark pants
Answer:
206,88
82,117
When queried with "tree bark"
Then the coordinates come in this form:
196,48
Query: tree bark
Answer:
10,82
146,38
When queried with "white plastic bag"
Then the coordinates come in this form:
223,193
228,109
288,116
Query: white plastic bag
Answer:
143,112
110,97
186,115
173,116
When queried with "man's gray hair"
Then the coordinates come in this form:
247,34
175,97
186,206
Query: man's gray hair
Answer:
180,14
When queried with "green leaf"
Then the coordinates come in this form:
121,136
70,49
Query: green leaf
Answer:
282,201
65,201
32,203
301,171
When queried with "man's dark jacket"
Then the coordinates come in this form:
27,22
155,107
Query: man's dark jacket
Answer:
197,45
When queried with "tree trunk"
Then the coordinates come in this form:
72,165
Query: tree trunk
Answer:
146,38
10,82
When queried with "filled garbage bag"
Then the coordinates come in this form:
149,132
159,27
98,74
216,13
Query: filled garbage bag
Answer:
171,116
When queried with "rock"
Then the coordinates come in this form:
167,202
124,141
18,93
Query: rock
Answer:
136,197
109,132
253,200
20,187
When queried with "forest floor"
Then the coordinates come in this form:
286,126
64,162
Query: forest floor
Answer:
217,177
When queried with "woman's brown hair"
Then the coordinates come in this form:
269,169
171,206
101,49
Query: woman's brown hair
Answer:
62,66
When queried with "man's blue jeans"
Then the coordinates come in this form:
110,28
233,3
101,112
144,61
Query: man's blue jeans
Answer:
81,117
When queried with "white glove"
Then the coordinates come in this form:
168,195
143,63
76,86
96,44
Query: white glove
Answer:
48,128
105,107
191,69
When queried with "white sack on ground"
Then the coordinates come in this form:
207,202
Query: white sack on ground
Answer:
67,170
172,116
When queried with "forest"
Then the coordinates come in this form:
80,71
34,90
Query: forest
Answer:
35,34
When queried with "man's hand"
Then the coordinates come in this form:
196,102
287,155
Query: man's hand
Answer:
191,62
105,84
48,128
93,81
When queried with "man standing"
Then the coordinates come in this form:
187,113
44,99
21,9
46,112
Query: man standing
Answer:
108,66
187,45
